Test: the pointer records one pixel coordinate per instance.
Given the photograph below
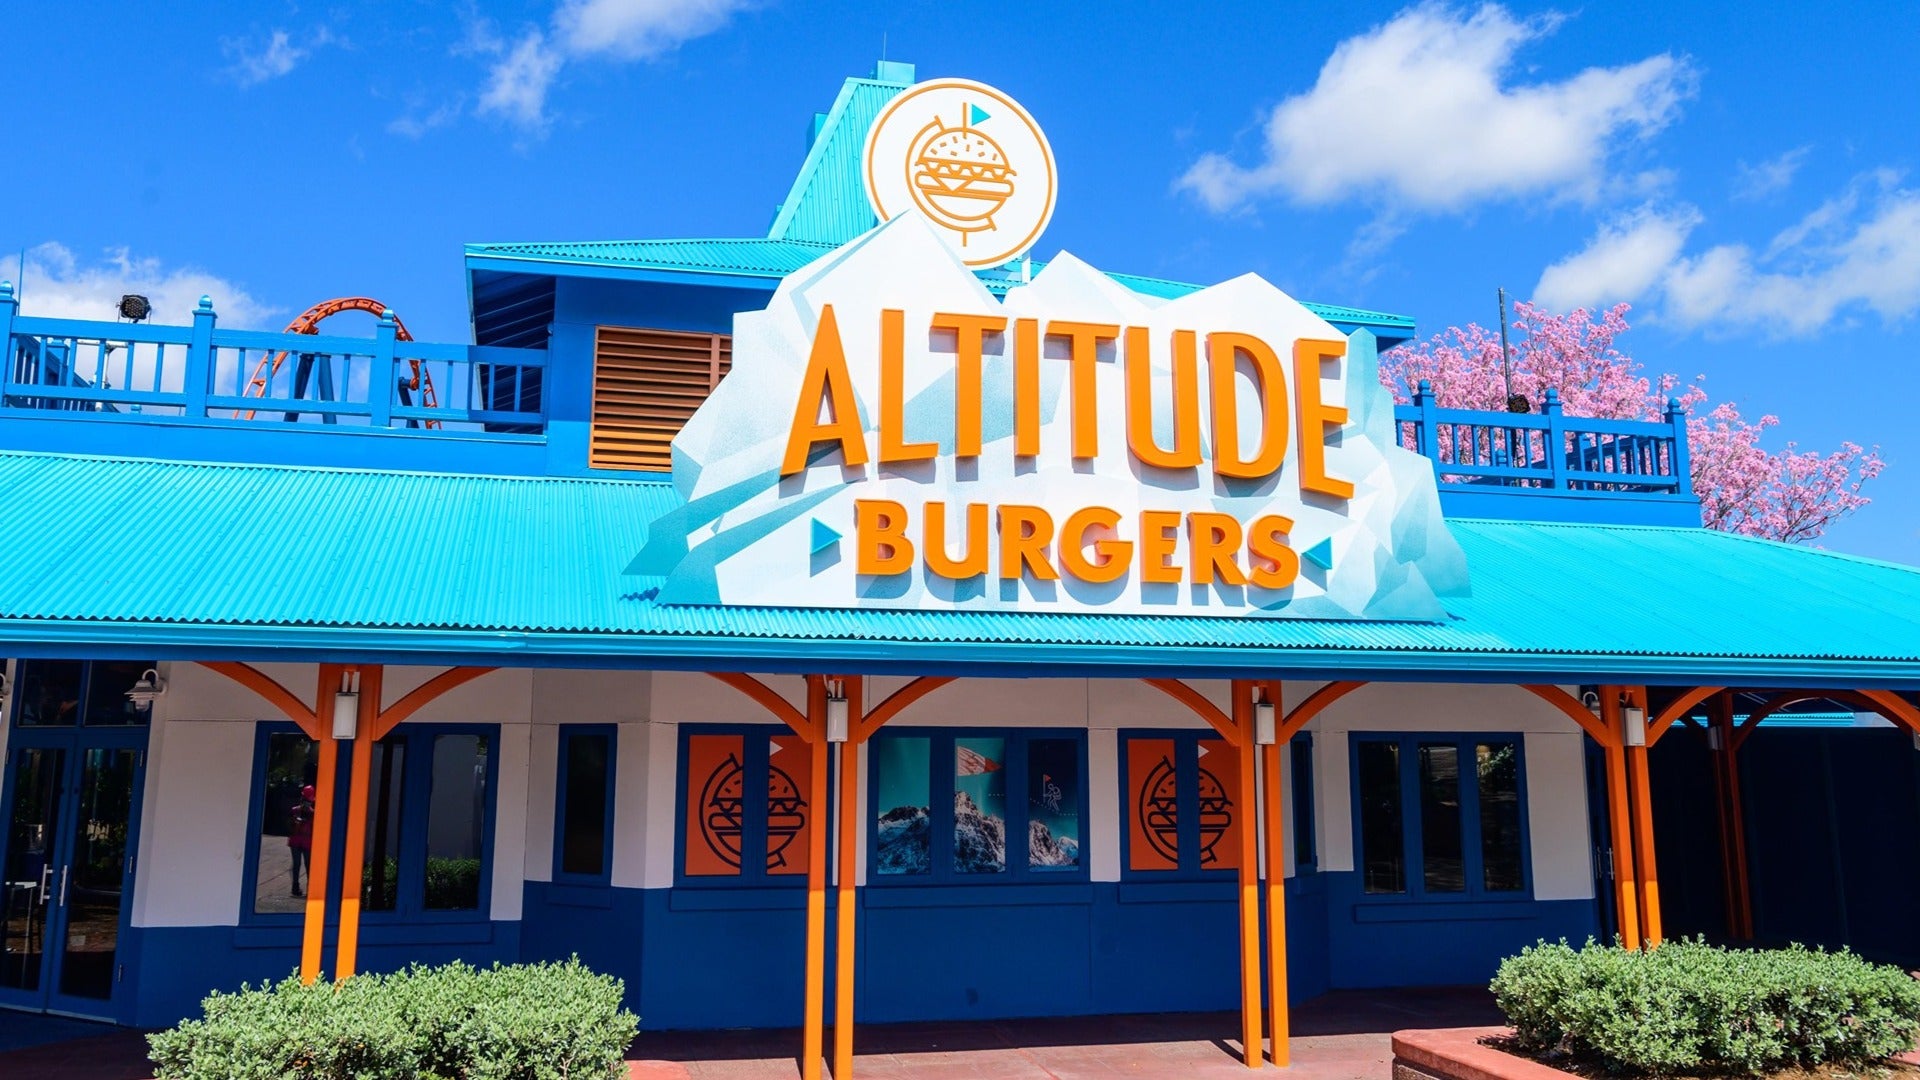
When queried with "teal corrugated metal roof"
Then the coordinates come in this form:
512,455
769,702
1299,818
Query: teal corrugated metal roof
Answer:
828,201
98,542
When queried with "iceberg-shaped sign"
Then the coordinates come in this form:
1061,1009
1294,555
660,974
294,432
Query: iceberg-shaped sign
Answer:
893,436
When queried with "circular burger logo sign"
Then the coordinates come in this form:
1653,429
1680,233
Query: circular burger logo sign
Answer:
971,160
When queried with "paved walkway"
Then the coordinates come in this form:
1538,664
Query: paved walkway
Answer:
1342,1036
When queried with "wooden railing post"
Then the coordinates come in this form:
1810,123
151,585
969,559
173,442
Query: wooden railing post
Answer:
1556,440
1682,467
197,381
380,384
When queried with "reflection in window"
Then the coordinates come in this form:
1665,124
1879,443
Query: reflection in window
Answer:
1382,828
456,822
380,874
1053,804
49,693
1304,853
1498,768
904,843
583,803
285,813
1442,862
979,806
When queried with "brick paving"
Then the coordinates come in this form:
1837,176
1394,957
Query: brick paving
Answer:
1342,1036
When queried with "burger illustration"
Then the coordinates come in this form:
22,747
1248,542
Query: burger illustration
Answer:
959,176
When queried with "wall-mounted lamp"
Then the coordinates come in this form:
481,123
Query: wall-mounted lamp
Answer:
1713,738
1263,726
146,689
836,713
346,714
1634,719
1592,701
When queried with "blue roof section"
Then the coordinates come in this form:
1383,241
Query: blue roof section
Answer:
828,202
110,556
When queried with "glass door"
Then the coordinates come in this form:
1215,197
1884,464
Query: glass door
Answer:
34,778
69,844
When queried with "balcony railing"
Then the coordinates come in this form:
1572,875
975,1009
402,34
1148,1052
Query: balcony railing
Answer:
1548,450
206,374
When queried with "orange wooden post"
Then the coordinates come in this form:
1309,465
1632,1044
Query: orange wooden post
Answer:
353,847
313,939
1649,874
1247,807
843,885
1278,855
1620,819
812,1029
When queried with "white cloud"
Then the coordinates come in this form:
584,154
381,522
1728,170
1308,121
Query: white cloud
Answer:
1752,183
1626,260
1860,250
58,284
1420,113
255,61
520,78
637,29
517,85
1856,253
418,119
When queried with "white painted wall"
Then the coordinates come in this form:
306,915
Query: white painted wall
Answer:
200,765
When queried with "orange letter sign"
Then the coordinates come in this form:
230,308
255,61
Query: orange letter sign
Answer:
826,380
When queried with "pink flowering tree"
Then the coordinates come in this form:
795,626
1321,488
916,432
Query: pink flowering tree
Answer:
1790,494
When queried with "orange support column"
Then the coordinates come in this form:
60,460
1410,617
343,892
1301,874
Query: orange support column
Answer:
353,847
313,939
1277,858
844,882
1247,802
1737,820
812,1028
1620,820
1648,871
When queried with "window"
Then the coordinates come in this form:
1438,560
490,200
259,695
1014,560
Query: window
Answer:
583,818
428,846
744,810
646,384
1440,816
1305,855
973,807
66,693
1183,818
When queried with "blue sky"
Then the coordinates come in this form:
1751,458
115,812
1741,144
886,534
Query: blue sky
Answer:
1747,175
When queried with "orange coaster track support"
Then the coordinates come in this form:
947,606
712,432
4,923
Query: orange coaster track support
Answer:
419,380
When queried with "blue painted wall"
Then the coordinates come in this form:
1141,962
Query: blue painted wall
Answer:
173,967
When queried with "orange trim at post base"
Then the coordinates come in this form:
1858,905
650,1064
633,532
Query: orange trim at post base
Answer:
1248,812
1277,859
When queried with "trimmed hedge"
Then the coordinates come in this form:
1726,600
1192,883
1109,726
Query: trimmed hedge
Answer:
509,1022
1690,1007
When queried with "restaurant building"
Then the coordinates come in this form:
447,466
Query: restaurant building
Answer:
865,622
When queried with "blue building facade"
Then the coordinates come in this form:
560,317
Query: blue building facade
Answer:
333,653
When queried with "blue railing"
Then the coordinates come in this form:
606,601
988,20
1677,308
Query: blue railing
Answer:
1548,450
203,373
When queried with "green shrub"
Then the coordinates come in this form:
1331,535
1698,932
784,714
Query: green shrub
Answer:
1689,1007
509,1022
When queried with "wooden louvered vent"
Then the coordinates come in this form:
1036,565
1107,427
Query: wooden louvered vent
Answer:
646,384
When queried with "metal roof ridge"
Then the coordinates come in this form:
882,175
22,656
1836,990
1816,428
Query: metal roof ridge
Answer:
348,470
491,245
